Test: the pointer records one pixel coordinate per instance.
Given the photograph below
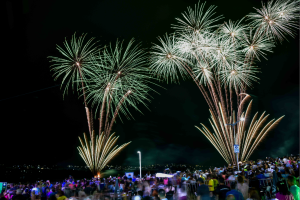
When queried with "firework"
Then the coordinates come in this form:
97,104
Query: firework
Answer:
238,76
247,136
167,61
277,18
255,44
233,30
196,20
97,157
222,60
75,64
117,70
113,79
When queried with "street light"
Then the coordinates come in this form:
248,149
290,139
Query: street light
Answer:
237,158
140,165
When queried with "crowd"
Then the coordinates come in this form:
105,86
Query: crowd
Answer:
255,180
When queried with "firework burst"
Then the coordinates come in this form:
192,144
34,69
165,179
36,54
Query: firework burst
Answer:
233,30
239,76
197,20
221,60
75,63
277,19
113,79
117,70
167,61
254,45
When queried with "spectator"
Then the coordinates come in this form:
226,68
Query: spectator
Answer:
166,180
254,182
275,180
268,165
221,190
216,182
155,195
81,193
6,195
52,192
61,195
122,185
242,187
160,185
18,195
286,173
184,178
48,193
237,194
170,190
40,190
294,189
253,195
52,198
93,188
133,179
33,196
128,185
67,190
210,185
162,195
230,197
72,187
202,190
134,188
147,189
44,192
36,191
102,185
139,195
96,194
64,183
182,193
88,190
2,196
71,179
260,175
203,176
231,177
13,188
26,194
283,191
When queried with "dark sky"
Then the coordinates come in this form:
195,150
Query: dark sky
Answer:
42,127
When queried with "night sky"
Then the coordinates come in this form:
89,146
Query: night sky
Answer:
43,128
